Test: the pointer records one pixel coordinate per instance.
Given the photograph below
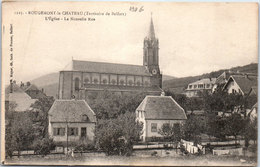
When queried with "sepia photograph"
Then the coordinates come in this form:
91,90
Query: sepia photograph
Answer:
129,83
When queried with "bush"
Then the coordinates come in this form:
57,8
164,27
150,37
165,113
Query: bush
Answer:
117,136
84,146
43,146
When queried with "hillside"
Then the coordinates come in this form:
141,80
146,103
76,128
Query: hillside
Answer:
178,85
50,82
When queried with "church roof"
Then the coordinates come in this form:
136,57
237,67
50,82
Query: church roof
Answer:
161,107
102,67
71,111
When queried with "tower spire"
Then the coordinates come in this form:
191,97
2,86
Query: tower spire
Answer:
151,34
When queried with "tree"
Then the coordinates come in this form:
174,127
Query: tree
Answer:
109,105
40,111
171,132
117,136
19,132
192,129
43,146
235,125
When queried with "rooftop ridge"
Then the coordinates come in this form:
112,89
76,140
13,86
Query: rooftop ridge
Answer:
107,63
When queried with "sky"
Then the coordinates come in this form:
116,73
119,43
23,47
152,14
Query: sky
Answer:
194,38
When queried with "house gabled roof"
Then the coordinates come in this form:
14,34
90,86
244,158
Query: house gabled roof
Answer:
253,90
205,81
102,67
161,108
70,111
244,82
15,88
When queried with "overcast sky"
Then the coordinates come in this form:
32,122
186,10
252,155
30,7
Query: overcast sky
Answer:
194,38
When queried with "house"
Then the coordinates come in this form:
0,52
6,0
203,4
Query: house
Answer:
223,78
195,88
71,120
241,84
154,111
81,79
17,96
32,90
253,112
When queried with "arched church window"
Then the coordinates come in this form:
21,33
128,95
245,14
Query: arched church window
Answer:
86,81
130,82
104,81
113,81
76,83
122,82
95,81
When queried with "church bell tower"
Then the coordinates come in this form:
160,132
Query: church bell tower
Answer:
151,56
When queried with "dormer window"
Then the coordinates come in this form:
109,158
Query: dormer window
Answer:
77,84
85,118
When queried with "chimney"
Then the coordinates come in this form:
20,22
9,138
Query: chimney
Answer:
22,84
28,84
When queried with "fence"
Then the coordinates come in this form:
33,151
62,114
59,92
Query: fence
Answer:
228,151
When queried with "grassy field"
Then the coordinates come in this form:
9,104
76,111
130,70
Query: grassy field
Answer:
138,158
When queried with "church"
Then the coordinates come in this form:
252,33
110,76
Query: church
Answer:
81,78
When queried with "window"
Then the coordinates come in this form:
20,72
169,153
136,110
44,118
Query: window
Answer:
176,126
104,81
138,83
208,85
195,86
113,82
76,83
83,132
200,86
86,81
58,131
153,127
234,91
73,131
190,86
166,125
130,82
85,118
95,81
122,82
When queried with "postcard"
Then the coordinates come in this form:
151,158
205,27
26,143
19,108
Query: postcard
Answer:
129,83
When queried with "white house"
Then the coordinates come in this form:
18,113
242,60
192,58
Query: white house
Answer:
201,85
71,120
154,111
240,84
19,97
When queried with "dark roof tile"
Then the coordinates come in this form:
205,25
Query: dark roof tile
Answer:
101,67
161,107
71,111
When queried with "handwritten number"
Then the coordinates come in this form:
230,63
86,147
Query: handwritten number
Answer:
135,9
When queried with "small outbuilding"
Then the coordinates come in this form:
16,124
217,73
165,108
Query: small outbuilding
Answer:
71,120
154,111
